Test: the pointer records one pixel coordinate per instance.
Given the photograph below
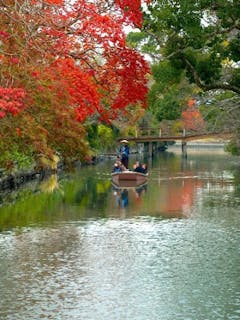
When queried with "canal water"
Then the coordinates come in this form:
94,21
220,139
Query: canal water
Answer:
76,247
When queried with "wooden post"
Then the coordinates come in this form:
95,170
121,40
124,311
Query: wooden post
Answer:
184,149
160,132
150,149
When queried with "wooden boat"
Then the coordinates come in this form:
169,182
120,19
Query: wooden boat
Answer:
128,184
129,178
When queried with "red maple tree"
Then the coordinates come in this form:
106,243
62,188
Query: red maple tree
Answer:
85,43
64,58
192,118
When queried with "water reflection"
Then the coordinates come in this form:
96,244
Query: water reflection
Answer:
95,252
135,194
175,187
49,184
121,197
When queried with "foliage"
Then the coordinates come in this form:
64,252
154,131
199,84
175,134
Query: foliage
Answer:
169,92
198,40
101,137
62,62
164,107
197,37
233,147
105,136
221,111
13,159
192,118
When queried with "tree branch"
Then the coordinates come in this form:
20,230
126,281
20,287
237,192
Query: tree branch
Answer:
208,87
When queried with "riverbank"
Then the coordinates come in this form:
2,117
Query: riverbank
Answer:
14,180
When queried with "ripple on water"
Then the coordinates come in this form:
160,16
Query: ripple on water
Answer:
140,268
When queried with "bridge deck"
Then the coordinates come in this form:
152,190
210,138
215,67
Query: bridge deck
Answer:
185,138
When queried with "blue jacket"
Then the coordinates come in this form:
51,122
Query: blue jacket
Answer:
125,151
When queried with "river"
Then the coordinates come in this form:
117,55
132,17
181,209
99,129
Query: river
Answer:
75,247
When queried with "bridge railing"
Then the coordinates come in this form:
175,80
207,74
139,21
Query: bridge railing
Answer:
166,132
170,132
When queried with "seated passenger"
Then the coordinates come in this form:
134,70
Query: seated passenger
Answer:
144,167
137,167
118,167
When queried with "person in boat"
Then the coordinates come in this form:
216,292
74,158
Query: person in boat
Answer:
137,167
145,168
118,166
125,151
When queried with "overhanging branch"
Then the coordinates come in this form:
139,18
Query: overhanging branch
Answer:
208,87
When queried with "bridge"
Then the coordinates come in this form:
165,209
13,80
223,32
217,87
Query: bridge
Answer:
152,136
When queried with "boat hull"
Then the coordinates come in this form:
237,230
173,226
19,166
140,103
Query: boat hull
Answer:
128,184
129,178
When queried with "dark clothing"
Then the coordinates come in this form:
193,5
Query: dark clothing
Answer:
139,169
124,161
116,169
124,150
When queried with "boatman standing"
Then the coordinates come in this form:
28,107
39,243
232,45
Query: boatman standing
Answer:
124,151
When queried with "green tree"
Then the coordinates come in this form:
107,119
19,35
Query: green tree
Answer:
101,137
197,40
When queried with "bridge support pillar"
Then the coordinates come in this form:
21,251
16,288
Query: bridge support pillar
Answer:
150,149
184,149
